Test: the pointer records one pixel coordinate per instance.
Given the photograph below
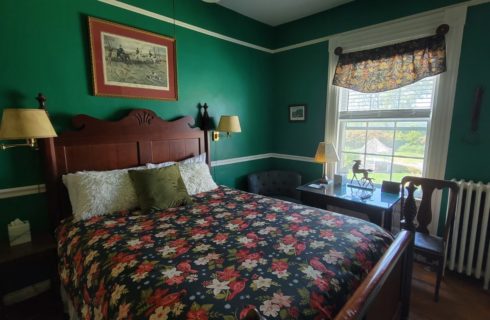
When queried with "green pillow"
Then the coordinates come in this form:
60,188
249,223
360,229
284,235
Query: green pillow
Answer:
159,189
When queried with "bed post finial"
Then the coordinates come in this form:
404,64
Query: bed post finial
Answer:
41,99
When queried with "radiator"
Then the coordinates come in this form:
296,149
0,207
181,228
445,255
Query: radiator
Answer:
469,241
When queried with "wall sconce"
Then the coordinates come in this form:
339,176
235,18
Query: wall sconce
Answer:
28,124
227,124
326,153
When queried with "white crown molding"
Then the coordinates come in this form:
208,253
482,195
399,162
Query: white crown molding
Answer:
466,4
22,191
185,25
182,24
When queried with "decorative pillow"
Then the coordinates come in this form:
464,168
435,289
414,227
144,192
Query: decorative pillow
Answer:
197,177
160,165
160,188
95,193
197,159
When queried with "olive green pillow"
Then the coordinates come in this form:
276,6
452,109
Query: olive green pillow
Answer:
159,189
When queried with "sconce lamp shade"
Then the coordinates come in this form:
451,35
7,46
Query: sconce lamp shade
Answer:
25,124
326,153
229,124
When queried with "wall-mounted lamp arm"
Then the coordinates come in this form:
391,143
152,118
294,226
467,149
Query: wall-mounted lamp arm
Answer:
29,143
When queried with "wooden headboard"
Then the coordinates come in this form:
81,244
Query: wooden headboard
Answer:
139,138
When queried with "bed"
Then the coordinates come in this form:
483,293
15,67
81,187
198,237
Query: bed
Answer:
229,255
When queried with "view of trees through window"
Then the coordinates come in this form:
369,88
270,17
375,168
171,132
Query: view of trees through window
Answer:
387,131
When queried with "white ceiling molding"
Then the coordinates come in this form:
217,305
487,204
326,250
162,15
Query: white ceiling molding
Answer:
466,4
182,24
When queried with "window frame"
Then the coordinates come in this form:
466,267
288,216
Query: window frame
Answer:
396,31
387,115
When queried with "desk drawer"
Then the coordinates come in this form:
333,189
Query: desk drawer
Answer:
314,200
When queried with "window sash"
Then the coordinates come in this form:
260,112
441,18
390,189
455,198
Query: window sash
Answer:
393,155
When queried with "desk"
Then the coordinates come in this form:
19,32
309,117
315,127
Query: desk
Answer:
378,207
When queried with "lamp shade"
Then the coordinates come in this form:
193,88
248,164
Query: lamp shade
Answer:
25,124
229,124
326,153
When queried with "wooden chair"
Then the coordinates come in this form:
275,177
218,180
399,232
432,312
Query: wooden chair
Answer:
431,247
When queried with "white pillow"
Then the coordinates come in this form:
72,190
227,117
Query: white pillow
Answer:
94,193
159,165
197,159
197,177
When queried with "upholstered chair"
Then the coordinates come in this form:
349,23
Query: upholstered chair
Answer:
276,184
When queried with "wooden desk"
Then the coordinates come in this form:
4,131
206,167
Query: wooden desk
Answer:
378,206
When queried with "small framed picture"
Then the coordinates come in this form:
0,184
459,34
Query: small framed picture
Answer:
297,112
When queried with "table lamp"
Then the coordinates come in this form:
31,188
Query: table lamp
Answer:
28,124
326,153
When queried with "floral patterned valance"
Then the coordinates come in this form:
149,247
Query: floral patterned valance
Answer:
391,67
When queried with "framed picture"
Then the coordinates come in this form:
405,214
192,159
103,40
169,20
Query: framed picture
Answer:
132,63
297,112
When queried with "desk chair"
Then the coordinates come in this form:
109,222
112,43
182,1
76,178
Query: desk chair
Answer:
431,247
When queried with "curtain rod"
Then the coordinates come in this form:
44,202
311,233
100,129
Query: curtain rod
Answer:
441,30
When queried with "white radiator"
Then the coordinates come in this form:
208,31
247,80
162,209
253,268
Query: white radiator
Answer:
469,241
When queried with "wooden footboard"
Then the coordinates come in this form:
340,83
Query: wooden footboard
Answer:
385,292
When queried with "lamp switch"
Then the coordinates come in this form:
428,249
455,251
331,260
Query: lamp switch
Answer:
215,135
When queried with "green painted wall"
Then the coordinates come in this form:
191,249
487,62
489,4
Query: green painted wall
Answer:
353,15
301,76
468,159
48,51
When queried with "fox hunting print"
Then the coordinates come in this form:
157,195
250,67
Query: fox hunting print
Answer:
133,63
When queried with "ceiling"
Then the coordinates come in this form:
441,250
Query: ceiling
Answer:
276,12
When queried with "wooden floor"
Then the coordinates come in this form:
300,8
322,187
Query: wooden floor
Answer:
461,298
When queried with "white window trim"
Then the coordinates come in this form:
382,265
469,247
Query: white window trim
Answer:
395,31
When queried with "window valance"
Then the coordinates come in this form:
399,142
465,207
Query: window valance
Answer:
391,67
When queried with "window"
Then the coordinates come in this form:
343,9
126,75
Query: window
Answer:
387,131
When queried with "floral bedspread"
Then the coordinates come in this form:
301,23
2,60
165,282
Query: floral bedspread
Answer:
227,253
